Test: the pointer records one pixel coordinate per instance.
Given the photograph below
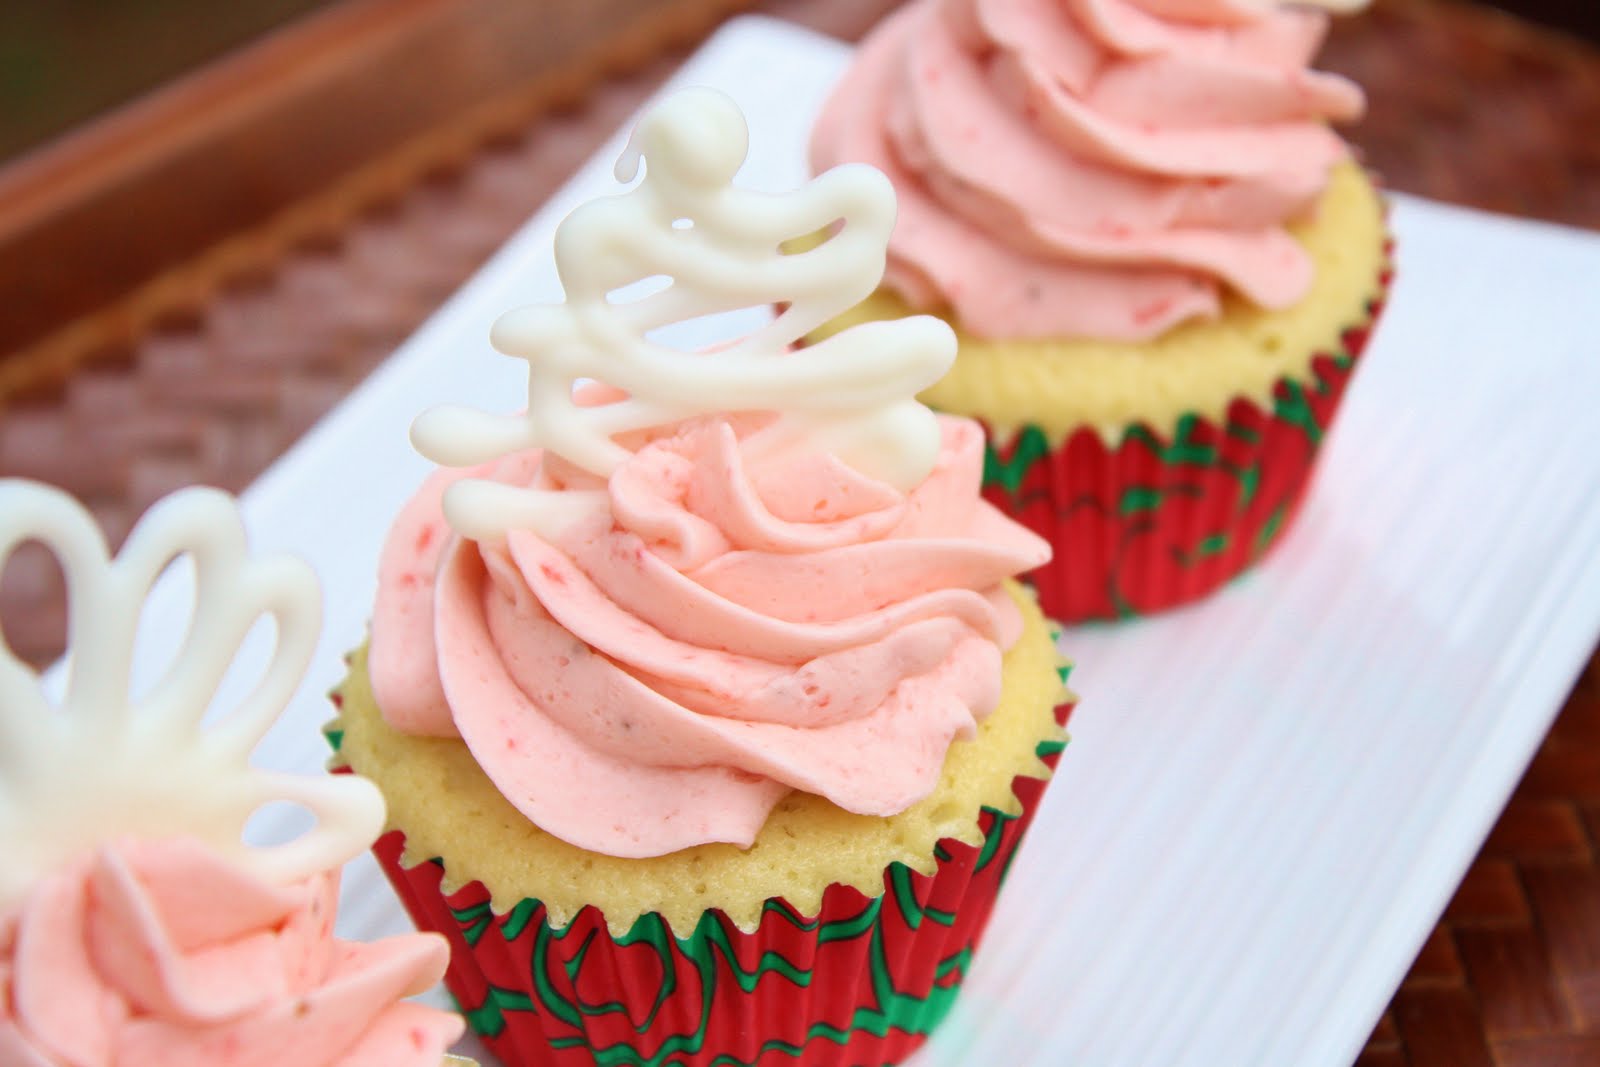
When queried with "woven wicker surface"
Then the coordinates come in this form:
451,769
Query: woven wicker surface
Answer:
1504,117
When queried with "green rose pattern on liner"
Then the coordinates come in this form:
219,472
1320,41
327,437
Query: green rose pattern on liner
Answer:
863,982
1152,524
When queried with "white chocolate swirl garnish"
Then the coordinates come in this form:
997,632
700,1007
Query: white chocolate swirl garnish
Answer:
103,765
852,395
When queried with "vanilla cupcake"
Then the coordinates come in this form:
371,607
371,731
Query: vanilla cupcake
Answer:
1161,263
708,715
135,926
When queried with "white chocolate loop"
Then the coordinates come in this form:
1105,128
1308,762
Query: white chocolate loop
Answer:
101,765
721,247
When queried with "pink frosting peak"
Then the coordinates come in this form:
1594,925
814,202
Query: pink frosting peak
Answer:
159,952
730,622
1092,168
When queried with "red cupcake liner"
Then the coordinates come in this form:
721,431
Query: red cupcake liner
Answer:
1153,523
861,982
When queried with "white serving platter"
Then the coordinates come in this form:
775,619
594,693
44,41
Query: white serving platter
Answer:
1270,796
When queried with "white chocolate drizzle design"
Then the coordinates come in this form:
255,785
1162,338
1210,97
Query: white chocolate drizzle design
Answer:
102,765
721,248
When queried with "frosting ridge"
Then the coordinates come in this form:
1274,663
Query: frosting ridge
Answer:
1103,168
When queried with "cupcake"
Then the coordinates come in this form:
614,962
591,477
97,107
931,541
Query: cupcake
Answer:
707,711
1160,261
135,926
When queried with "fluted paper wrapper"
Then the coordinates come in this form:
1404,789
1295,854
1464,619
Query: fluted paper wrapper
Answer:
862,981
1150,523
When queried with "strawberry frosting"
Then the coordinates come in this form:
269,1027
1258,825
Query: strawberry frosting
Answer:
725,621
159,952
1092,168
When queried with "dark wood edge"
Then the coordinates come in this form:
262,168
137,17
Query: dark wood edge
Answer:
143,215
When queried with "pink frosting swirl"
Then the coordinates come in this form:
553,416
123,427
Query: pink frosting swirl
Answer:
159,952
724,627
1092,168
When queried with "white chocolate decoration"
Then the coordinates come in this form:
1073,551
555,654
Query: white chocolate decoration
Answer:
102,765
853,394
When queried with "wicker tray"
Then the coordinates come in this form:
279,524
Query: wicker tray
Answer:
151,396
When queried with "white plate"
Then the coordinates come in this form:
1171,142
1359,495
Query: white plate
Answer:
1270,796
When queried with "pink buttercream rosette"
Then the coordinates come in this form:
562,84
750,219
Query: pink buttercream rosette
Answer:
723,628
160,953
1092,168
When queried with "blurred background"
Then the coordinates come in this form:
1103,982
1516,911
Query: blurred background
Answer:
217,218
65,61
136,135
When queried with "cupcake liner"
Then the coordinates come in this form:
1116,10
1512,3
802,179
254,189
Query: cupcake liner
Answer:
1152,523
861,982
